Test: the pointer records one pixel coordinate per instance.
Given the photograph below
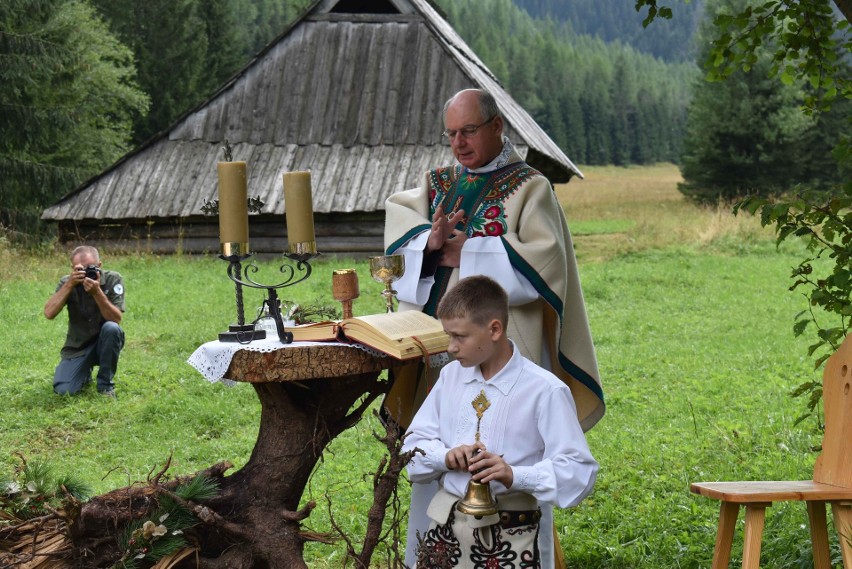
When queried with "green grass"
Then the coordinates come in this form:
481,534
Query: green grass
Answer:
692,322
601,226
697,356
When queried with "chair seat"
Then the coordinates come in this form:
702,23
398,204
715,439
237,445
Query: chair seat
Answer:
833,470
771,491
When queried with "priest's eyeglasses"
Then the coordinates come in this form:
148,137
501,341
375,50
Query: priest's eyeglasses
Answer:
466,131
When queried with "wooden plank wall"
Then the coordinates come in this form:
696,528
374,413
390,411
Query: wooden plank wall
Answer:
348,235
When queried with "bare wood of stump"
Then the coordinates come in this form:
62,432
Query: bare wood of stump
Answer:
308,396
304,363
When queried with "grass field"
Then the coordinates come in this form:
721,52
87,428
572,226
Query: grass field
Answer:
692,319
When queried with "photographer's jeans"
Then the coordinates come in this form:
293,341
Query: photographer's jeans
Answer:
73,374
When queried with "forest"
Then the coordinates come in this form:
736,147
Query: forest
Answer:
617,21
603,103
84,82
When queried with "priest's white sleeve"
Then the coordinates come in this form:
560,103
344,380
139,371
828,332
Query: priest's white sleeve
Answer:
479,256
411,288
487,256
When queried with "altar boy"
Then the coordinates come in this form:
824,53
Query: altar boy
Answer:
530,446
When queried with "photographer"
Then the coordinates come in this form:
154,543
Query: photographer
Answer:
95,301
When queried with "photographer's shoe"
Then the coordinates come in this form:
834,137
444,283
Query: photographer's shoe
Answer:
109,393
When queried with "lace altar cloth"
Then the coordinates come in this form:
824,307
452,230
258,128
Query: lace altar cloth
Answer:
213,359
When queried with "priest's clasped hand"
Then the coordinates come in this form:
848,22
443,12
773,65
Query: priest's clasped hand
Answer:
446,238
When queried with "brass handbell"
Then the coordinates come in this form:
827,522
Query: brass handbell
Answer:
478,500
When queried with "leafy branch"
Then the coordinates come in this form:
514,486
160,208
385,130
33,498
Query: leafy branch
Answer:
654,11
311,312
824,222
808,40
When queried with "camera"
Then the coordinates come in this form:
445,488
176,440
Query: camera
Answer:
92,272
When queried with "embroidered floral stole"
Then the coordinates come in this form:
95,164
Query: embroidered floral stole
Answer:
482,197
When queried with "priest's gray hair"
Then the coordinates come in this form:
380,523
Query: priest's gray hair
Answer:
487,104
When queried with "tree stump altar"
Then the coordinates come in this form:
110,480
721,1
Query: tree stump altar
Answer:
309,394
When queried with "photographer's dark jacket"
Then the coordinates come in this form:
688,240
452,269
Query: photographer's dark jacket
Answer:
84,316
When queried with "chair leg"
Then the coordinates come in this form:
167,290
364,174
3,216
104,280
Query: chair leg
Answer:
725,535
819,535
754,518
843,526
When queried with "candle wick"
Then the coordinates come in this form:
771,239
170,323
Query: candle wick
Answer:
228,153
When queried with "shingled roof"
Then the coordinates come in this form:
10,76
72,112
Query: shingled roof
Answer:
352,91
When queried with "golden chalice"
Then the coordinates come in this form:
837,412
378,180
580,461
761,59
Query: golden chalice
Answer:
387,269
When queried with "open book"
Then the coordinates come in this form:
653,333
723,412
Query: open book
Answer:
402,335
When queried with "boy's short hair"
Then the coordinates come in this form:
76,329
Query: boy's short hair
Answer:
479,299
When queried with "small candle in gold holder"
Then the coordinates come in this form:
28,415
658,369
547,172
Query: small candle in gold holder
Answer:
299,212
344,287
233,208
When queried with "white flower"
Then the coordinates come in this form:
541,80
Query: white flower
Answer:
150,530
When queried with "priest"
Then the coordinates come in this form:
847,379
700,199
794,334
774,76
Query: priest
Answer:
491,214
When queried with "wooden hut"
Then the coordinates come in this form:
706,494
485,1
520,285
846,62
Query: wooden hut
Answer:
352,91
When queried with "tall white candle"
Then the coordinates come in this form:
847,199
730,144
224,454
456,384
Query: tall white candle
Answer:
233,203
299,209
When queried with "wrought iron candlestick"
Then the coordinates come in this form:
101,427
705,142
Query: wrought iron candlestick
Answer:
233,208
478,501
246,333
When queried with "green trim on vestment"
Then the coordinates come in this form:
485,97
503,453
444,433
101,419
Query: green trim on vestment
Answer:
532,275
581,376
521,265
406,238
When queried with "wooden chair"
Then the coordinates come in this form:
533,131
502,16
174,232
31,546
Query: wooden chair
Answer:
832,482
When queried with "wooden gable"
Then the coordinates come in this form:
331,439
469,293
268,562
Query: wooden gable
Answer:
352,91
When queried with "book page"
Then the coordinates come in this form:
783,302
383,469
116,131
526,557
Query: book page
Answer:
397,325
326,330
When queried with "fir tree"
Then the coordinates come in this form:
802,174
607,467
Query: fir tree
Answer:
67,103
169,41
745,135
226,43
